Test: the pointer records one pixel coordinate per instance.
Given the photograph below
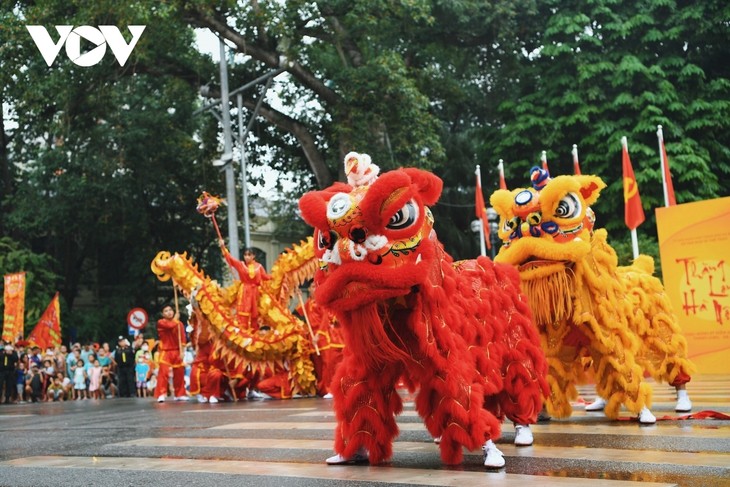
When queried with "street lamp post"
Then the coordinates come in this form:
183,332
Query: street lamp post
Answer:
228,149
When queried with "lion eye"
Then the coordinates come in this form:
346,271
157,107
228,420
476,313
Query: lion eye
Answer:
326,240
404,217
338,206
569,206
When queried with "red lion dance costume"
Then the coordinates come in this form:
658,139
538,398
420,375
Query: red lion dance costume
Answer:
460,332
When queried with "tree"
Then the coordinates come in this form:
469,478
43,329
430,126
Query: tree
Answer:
404,82
40,280
589,73
108,160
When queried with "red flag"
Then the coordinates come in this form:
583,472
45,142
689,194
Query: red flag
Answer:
634,213
481,212
502,182
669,199
47,333
576,163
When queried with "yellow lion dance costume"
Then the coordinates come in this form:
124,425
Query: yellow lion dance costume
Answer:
587,308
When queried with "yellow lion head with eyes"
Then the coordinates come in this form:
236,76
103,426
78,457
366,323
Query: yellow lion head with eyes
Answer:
548,226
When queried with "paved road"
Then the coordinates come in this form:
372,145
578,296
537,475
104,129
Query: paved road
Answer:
131,442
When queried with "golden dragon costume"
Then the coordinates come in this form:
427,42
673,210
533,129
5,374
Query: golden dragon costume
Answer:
460,332
588,309
286,345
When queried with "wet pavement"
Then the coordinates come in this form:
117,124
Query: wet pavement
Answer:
129,442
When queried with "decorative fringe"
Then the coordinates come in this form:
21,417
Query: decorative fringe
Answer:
368,339
551,297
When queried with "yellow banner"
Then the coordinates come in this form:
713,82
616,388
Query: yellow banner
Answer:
14,307
694,244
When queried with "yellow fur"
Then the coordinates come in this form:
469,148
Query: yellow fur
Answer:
597,321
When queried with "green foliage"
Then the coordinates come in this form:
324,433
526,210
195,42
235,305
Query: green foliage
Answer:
107,165
596,71
40,280
105,162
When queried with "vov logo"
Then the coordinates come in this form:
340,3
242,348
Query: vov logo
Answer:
71,37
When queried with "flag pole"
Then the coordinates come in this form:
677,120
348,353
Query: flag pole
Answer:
500,168
482,244
660,139
576,162
634,238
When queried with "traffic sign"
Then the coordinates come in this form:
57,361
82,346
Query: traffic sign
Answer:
137,318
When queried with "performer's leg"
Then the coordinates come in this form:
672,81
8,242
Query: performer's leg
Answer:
178,381
451,406
365,403
162,380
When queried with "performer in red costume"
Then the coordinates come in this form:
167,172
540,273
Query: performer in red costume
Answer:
171,333
330,342
251,274
460,332
202,340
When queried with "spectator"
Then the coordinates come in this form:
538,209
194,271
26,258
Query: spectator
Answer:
8,365
85,352
35,356
124,358
73,358
142,370
34,384
108,382
138,342
55,391
103,357
20,377
79,380
95,380
67,385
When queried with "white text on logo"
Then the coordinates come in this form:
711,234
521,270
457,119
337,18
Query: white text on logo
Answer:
71,37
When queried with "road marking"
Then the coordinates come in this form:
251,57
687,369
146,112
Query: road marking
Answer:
364,474
536,451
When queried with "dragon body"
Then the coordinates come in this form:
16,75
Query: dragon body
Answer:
285,345
597,321
459,332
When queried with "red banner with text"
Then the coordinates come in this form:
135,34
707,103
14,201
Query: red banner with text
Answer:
14,307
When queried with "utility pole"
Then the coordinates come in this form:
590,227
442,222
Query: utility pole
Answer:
228,154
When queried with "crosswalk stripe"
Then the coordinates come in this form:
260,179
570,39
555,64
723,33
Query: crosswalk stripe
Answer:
622,428
383,474
538,451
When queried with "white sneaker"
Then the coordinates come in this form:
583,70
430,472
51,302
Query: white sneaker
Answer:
213,400
645,416
493,457
596,405
523,435
254,394
201,398
360,456
328,396
182,398
161,399
684,405
437,440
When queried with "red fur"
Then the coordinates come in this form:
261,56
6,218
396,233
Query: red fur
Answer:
460,333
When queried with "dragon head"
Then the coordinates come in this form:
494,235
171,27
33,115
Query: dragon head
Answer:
372,235
547,227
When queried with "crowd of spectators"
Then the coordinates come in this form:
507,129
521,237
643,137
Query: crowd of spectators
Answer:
89,371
